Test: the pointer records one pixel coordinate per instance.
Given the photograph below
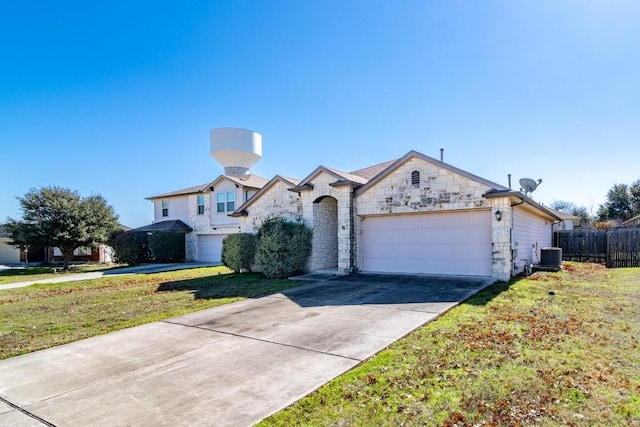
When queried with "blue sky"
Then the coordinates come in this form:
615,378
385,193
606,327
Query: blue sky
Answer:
118,98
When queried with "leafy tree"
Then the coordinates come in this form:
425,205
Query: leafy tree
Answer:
60,217
634,197
618,204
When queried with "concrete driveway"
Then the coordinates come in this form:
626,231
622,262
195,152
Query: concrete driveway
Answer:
227,366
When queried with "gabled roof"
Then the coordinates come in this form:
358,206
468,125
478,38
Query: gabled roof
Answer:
491,194
291,182
252,181
189,190
174,225
341,177
393,165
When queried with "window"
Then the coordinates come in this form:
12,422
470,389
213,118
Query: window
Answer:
82,251
226,202
220,200
231,201
415,178
200,204
165,207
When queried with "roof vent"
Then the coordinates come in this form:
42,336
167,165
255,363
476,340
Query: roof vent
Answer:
236,149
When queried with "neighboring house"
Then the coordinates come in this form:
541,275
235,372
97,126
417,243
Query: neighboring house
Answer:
567,222
102,253
411,215
8,254
633,222
206,210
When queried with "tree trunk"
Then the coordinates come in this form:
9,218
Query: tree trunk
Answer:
66,254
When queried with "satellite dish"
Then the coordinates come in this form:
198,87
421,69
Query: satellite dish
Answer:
529,185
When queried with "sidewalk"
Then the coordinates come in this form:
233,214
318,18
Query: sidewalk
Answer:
140,269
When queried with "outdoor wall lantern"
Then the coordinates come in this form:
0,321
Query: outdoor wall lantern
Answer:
498,215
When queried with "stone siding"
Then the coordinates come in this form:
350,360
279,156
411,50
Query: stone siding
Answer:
322,188
276,201
439,189
325,234
501,255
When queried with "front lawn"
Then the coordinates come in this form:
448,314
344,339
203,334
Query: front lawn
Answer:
45,315
555,349
28,274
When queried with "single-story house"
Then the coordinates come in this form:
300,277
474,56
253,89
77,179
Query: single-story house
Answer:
414,214
632,222
101,253
567,223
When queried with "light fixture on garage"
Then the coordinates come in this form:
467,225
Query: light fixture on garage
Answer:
498,215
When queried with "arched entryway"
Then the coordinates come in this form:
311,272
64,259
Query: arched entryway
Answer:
325,234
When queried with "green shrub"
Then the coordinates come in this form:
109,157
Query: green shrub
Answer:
238,251
131,248
166,246
283,247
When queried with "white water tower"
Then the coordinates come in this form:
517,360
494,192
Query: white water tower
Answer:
236,149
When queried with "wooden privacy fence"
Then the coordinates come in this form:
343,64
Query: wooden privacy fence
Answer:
619,247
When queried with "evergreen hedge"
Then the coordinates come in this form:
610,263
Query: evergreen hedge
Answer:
131,248
283,247
167,246
238,251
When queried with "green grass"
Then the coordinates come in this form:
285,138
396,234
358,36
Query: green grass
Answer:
45,315
27,274
513,355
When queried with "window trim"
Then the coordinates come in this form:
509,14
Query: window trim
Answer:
231,201
165,207
200,204
220,202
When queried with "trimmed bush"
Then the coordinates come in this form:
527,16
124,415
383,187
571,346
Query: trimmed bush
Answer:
131,248
238,251
166,246
283,247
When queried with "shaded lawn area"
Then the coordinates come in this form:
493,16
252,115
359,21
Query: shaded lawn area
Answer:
27,274
512,355
41,316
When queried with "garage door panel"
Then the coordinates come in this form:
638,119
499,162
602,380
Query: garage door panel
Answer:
443,243
210,248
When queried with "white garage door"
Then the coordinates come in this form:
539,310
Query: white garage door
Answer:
8,253
439,243
210,248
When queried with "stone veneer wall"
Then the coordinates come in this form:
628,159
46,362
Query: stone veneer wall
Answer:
325,234
440,189
501,239
276,201
342,194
